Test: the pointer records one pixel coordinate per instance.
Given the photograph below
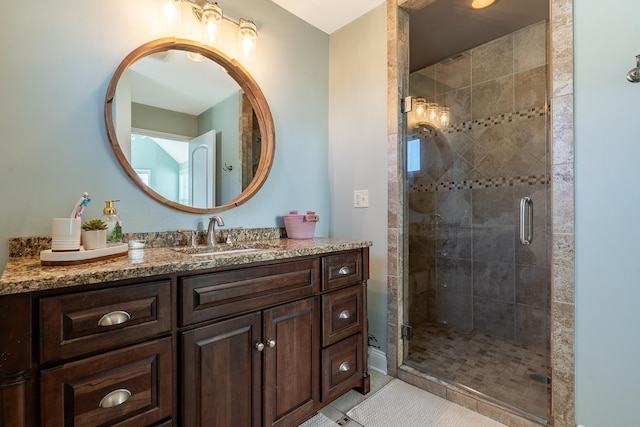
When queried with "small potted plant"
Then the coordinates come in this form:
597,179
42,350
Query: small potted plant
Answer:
94,234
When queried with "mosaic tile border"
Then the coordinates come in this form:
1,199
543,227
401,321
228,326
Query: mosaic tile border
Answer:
528,113
525,114
482,183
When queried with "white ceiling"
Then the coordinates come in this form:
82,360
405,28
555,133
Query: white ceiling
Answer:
328,15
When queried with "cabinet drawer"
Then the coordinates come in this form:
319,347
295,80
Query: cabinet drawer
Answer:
342,314
341,270
128,387
87,322
342,367
215,295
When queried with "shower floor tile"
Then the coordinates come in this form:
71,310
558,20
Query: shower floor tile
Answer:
509,372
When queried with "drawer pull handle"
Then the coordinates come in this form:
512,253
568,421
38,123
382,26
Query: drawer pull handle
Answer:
259,346
115,398
271,343
344,367
344,271
114,318
344,314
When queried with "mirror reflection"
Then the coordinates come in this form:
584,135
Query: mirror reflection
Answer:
185,123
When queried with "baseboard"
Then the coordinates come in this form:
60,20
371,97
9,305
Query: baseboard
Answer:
377,360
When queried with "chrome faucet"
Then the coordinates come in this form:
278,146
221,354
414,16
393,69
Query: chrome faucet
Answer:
211,230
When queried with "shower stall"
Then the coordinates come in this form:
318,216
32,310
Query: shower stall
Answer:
476,294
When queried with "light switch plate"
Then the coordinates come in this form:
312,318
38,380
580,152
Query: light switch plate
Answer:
361,198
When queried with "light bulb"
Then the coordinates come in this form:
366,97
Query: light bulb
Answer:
211,24
171,13
247,40
433,111
445,116
421,109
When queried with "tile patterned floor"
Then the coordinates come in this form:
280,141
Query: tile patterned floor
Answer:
447,413
506,371
337,409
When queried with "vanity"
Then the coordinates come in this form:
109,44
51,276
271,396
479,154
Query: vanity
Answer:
164,338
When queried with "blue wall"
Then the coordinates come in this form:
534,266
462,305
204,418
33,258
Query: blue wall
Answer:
607,149
56,65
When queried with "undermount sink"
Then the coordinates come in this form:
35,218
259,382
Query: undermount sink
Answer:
221,249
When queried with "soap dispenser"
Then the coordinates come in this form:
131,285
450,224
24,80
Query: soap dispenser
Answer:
114,224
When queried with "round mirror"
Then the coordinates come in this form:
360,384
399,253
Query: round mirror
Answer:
189,125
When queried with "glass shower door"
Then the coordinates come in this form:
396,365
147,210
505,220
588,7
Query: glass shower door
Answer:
477,223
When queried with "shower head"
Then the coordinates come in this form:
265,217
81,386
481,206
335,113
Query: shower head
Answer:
634,75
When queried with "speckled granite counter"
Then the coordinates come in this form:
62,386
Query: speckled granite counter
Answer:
25,274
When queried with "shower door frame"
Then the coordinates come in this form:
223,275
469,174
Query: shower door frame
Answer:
562,408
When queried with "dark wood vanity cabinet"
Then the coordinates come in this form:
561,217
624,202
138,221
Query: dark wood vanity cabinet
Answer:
106,356
255,367
255,345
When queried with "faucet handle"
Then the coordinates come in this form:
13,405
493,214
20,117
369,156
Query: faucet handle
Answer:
194,234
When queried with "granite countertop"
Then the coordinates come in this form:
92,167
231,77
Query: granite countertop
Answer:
26,274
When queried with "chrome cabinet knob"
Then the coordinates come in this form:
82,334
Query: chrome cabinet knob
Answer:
259,346
344,367
114,318
271,343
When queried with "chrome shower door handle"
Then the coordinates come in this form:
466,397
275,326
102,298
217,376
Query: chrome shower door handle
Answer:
526,221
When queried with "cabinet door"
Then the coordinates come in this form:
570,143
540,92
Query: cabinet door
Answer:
222,374
291,357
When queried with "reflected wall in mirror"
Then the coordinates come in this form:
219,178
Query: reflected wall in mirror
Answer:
189,125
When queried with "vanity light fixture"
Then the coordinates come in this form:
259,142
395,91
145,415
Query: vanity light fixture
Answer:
481,4
431,113
209,14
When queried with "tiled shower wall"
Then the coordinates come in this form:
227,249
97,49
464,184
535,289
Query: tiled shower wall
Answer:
467,267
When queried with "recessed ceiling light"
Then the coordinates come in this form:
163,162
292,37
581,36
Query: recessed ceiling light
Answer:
481,4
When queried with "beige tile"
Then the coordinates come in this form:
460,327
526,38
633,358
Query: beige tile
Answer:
393,192
562,60
492,97
562,338
459,102
392,158
423,381
530,88
562,129
422,83
563,268
492,60
392,251
562,198
563,402
453,74
462,399
501,415
530,47
347,401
